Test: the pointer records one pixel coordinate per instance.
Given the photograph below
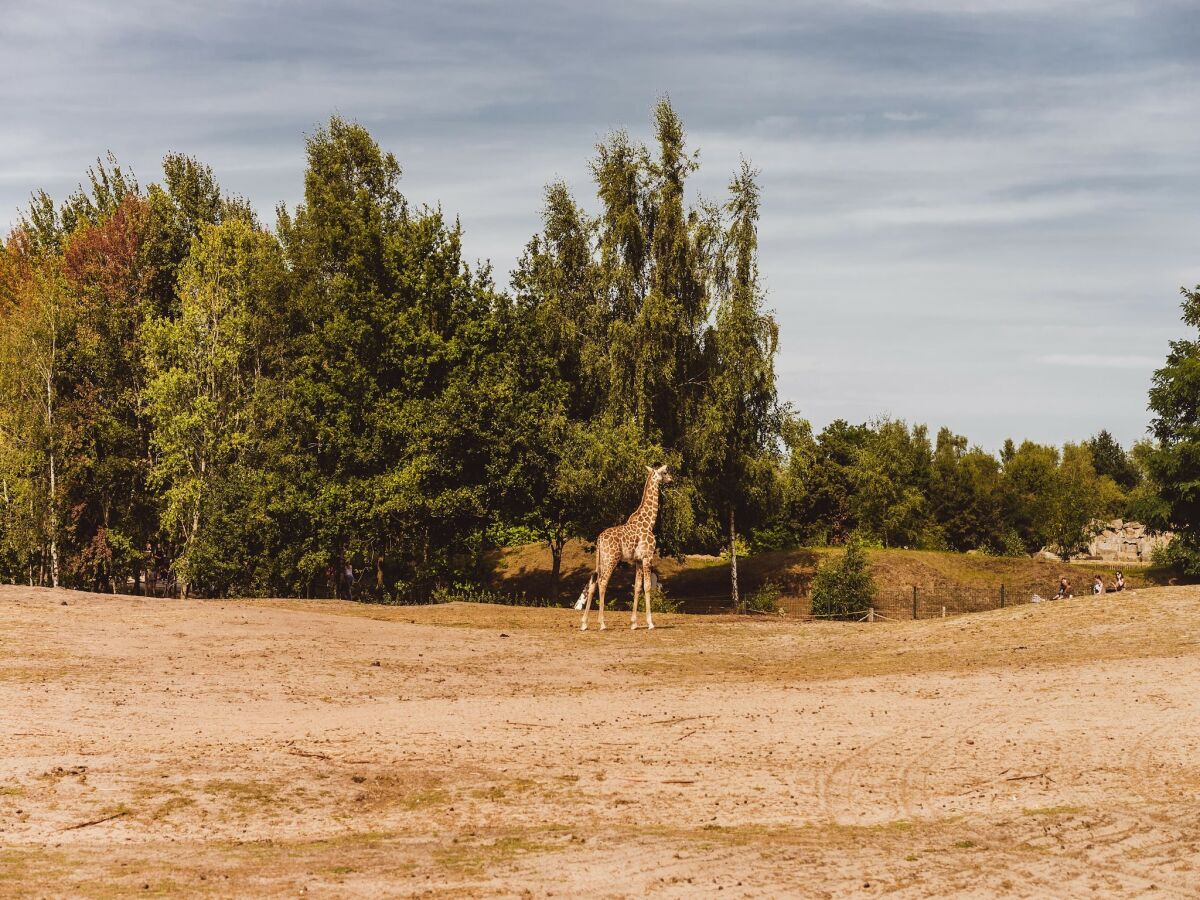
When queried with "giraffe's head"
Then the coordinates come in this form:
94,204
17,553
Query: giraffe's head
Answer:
659,474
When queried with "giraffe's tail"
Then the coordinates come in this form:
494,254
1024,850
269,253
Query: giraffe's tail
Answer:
583,595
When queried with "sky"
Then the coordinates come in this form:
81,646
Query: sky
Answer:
976,213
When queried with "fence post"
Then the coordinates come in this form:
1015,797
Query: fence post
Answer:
914,601
943,612
1002,596
870,614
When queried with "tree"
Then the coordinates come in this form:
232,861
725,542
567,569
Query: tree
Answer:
1175,463
203,378
38,319
891,477
1110,459
737,434
967,495
1080,499
111,515
1030,482
392,384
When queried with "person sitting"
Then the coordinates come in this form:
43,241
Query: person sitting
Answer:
1119,585
1064,589
1097,585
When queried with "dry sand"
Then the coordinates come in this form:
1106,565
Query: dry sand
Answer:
281,748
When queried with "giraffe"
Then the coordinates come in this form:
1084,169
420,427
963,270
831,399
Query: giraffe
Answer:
632,542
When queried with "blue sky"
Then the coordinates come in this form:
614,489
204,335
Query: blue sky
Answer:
976,213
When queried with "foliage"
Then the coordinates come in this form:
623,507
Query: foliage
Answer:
466,592
1109,458
764,599
843,587
189,395
1079,501
1175,462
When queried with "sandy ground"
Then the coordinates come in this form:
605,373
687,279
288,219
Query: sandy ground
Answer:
284,748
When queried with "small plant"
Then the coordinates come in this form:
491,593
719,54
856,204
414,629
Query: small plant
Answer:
661,603
845,587
764,600
475,593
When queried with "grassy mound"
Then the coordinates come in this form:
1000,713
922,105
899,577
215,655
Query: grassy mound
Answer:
959,581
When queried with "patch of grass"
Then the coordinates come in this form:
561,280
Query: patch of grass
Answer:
498,792
22,867
246,795
1053,810
33,674
171,806
424,799
11,790
475,858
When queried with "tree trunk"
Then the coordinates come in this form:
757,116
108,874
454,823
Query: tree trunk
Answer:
53,511
733,582
556,552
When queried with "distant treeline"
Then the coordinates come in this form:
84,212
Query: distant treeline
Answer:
239,409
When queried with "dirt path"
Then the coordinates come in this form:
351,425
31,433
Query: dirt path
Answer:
331,749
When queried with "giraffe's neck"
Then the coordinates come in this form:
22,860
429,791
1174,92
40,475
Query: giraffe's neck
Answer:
648,509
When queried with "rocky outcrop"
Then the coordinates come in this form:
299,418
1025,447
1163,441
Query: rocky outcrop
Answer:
1122,541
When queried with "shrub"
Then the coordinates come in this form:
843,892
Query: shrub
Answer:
661,603
763,600
843,587
1179,556
474,593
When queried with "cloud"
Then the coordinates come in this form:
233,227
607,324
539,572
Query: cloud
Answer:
1101,361
946,183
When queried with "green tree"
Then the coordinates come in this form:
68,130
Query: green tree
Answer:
393,378
1029,475
203,378
891,478
1079,501
39,317
564,468
1175,463
1110,458
738,423
845,587
968,496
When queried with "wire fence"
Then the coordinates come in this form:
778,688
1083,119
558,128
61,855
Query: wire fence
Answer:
915,602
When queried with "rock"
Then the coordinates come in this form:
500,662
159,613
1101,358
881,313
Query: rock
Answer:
1119,541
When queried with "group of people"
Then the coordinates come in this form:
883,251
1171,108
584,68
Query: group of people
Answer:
1098,586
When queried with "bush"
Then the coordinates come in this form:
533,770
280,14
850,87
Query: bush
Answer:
501,535
474,593
1177,555
661,603
844,587
763,600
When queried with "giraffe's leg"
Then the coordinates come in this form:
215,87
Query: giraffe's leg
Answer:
637,588
603,588
646,586
587,606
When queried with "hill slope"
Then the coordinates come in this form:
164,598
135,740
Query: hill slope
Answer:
961,582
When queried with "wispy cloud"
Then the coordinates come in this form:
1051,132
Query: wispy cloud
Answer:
1101,361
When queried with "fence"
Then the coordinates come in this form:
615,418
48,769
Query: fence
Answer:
930,603
916,602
